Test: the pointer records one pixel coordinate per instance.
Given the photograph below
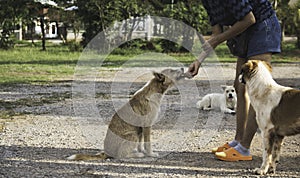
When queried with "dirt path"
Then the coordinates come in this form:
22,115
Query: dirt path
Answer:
47,128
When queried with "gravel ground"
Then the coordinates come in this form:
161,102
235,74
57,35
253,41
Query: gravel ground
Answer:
50,122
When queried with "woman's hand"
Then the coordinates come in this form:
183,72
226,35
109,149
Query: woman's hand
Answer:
193,69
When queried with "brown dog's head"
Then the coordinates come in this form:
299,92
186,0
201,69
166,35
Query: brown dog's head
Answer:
168,77
250,68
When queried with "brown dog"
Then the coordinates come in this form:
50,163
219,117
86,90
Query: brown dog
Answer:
277,110
131,124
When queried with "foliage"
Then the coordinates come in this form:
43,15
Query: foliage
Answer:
6,36
193,14
289,17
66,19
97,15
137,47
296,22
11,14
74,46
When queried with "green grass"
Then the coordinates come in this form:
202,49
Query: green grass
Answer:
289,54
27,64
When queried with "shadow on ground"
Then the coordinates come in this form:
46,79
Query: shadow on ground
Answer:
43,162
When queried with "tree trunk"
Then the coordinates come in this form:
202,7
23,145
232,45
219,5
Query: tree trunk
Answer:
133,26
298,40
31,34
43,33
297,22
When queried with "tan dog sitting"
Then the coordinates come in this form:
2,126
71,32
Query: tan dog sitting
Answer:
131,124
277,110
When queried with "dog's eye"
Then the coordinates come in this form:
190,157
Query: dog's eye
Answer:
232,90
227,91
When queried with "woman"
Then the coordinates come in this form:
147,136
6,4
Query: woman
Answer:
256,20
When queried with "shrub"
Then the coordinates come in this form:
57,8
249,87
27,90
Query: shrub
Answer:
74,46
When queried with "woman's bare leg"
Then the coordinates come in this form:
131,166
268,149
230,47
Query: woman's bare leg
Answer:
242,102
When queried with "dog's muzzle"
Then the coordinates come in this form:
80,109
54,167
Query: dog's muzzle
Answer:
181,74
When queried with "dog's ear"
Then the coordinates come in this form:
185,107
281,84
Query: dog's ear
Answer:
224,87
159,76
268,66
254,64
248,67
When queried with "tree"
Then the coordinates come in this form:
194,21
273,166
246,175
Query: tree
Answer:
295,6
131,10
190,12
289,18
67,17
11,14
98,15
43,6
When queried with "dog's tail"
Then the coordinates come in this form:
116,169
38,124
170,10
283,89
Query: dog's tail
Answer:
87,157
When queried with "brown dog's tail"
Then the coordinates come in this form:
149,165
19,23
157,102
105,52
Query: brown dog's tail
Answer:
87,157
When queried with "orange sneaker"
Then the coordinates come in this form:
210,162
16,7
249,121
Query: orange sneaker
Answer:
221,148
232,155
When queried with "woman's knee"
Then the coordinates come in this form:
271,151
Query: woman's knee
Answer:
239,64
267,57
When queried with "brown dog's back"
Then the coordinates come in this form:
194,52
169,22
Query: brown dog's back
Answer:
286,116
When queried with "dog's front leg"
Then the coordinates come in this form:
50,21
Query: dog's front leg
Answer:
141,143
265,126
227,110
147,143
267,156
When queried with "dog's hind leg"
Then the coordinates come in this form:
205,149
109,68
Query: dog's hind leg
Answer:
126,152
276,151
205,103
128,148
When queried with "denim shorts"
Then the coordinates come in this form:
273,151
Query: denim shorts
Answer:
264,37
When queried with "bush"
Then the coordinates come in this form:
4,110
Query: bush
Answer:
169,46
6,40
136,46
74,46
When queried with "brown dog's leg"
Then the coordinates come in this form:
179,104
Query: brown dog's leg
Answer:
147,144
276,151
128,147
267,153
141,142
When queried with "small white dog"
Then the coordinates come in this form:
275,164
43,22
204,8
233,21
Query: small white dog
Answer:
226,102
